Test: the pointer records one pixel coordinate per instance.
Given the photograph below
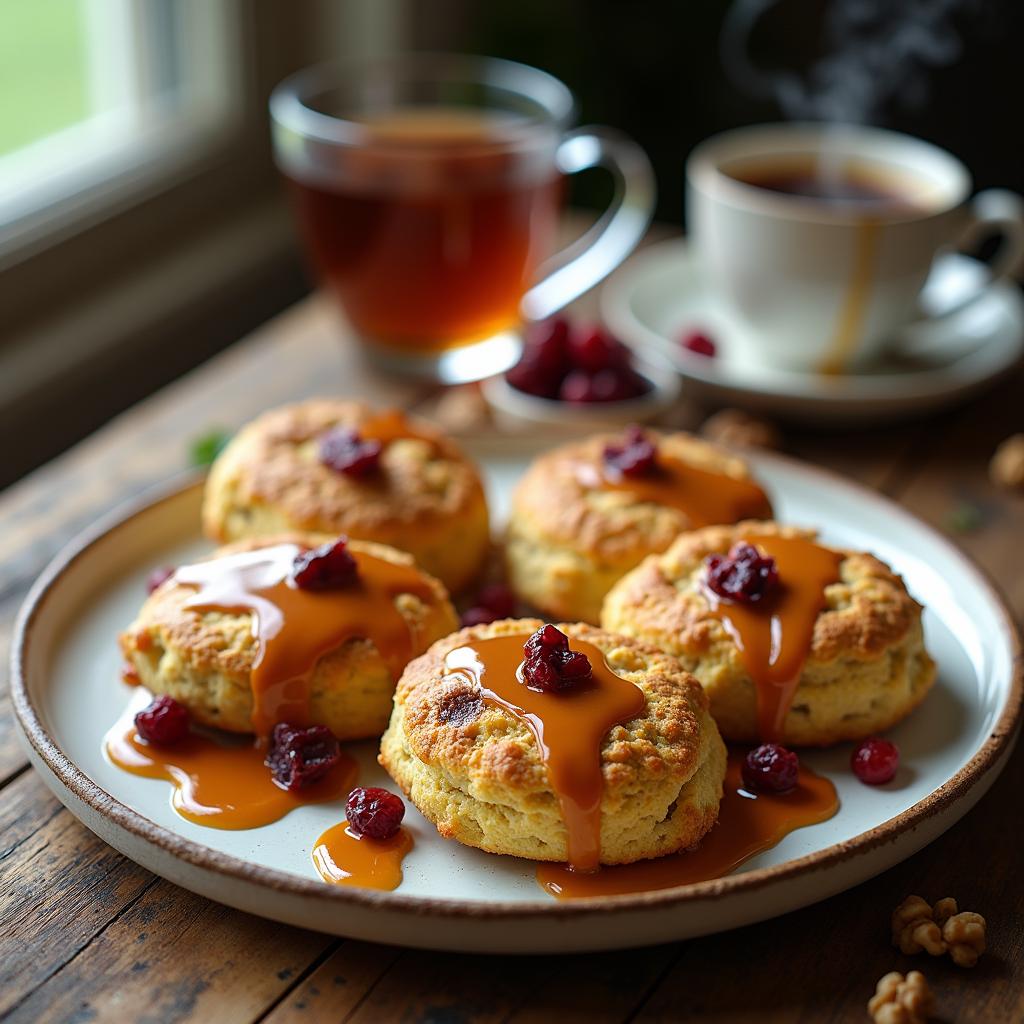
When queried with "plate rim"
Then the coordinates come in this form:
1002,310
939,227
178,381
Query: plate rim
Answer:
925,386
992,754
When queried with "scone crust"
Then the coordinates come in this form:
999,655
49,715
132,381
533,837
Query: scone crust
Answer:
427,499
568,543
867,667
204,660
476,772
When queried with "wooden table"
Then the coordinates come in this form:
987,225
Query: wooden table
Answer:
86,935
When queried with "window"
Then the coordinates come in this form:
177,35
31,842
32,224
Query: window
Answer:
101,100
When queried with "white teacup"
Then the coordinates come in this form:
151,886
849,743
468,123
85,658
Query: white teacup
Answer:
822,284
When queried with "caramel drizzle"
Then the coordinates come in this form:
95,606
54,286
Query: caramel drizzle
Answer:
704,496
294,628
218,784
747,825
343,858
774,635
389,425
569,727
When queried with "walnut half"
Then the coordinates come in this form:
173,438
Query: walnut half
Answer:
901,1000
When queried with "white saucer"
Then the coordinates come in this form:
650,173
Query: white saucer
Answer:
661,293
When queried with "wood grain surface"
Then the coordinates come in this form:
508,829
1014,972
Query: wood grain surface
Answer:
86,935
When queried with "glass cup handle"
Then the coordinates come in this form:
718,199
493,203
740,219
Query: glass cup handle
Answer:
593,256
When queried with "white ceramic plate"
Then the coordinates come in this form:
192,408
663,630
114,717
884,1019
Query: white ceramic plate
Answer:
67,693
661,293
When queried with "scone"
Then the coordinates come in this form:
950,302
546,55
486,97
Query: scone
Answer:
210,655
337,467
475,769
860,667
588,512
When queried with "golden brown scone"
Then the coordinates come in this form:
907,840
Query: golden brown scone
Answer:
204,659
568,543
426,499
475,771
867,667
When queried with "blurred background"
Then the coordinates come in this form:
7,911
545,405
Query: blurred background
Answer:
143,226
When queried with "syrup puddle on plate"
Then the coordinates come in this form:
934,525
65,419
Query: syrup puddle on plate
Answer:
747,825
217,782
343,858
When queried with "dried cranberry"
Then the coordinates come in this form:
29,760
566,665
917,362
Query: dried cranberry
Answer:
582,387
770,768
158,577
478,616
299,756
593,349
550,666
545,359
344,450
498,598
164,722
875,761
495,601
699,344
374,813
636,455
326,567
744,575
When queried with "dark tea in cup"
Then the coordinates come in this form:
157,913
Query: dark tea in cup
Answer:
433,230
839,182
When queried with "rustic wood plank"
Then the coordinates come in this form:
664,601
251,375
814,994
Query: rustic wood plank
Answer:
336,987
422,986
12,757
59,886
600,988
170,957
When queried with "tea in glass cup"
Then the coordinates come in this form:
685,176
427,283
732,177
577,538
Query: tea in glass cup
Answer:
428,190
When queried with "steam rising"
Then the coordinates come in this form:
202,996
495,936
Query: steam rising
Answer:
879,51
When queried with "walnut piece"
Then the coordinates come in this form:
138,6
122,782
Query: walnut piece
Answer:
1007,466
964,934
735,427
899,1000
940,929
914,929
462,410
944,910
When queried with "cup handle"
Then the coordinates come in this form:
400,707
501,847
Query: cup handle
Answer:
593,256
1002,211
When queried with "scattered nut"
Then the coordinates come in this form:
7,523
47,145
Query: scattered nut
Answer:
899,1000
940,929
964,934
735,427
462,410
1007,466
914,929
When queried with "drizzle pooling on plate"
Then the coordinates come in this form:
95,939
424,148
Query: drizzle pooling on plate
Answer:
774,634
219,782
748,823
569,727
294,628
342,857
